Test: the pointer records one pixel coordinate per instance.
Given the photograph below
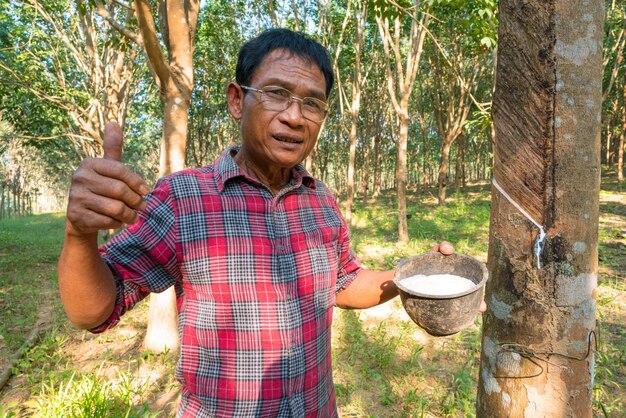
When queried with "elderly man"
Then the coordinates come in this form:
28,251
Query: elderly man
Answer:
255,246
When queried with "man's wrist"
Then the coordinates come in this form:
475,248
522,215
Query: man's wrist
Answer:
74,234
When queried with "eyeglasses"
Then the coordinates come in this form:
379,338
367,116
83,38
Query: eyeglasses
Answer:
279,99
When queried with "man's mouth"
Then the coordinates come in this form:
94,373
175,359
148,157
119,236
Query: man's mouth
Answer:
288,139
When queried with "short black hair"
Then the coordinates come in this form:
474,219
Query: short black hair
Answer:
253,52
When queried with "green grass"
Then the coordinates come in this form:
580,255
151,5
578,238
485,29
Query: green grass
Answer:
49,376
29,250
384,366
88,395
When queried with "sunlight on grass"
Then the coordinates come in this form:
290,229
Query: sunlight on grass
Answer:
90,396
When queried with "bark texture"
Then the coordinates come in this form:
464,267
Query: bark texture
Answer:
537,360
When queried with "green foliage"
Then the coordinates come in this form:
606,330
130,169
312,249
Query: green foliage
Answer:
389,10
476,19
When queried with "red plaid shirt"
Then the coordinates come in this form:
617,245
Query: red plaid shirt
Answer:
256,277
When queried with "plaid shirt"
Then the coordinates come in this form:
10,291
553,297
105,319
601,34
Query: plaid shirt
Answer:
256,277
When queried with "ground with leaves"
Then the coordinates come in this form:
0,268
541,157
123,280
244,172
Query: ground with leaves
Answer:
385,366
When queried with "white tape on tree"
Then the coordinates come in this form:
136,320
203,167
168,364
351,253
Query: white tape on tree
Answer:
540,240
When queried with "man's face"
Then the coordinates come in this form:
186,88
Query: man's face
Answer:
273,139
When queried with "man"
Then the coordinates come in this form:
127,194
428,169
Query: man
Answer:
256,248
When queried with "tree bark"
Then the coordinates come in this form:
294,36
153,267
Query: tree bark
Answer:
537,347
377,164
459,171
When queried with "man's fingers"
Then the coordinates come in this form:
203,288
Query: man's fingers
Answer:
116,210
93,221
113,141
444,248
120,191
119,171
113,146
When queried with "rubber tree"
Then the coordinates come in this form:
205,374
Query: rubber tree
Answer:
174,75
350,87
538,341
402,60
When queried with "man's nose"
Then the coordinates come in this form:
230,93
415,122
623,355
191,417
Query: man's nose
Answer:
293,113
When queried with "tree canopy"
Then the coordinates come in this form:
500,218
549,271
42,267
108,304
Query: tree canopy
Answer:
66,69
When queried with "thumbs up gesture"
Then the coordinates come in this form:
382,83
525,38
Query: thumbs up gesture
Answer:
104,193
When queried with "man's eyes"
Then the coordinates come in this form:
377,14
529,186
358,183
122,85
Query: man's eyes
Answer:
311,103
277,92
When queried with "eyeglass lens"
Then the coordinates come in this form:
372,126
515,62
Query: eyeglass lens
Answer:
279,99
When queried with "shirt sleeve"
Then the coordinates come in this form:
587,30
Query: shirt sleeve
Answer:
143,257
349,264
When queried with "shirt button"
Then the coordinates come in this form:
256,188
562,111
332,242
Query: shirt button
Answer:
288,295
281,247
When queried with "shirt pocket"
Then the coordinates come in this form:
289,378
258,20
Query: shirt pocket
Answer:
318,267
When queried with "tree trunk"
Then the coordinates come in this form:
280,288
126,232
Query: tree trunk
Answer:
350,181
443,171
178,23
366,165
459,172
400,85
403,139
620,149
377,165
162,332
2,201
355,107
352,158
537,347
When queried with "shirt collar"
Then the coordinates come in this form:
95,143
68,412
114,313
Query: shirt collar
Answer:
227,169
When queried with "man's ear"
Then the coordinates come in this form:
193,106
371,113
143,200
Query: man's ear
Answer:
234,98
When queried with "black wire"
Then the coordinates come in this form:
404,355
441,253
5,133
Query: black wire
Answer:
530,355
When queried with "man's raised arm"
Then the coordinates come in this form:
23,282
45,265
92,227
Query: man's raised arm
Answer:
104,194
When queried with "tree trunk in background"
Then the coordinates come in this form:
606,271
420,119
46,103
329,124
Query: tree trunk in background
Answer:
620,149
403,140
400,86
355,106
458,168
442,180
2,187
178,29
377,165
546,110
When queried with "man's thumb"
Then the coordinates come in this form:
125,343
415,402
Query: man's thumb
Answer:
113,141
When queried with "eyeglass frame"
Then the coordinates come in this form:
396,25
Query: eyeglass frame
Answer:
290,100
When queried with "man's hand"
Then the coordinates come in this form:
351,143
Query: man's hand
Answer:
444,248
104,193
